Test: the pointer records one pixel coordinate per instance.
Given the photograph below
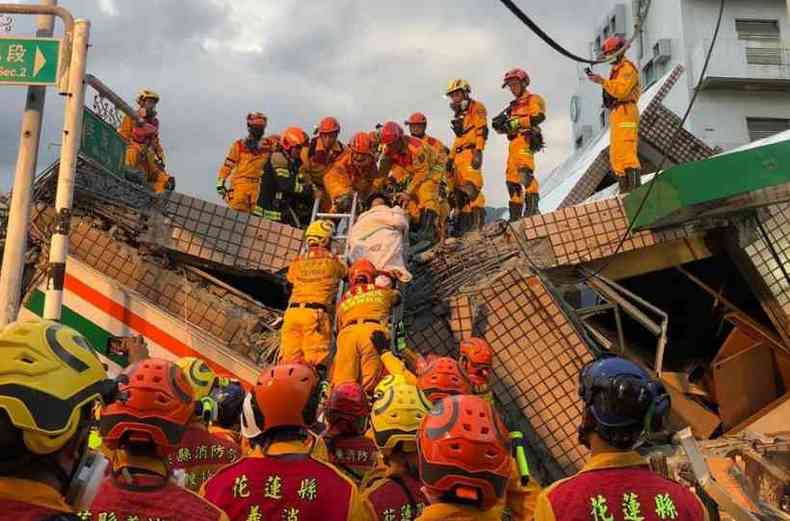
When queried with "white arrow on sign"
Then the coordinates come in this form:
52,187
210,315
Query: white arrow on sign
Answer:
39,63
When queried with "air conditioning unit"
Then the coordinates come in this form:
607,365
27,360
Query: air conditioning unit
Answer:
662,50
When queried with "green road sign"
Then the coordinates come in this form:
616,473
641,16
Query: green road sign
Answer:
102,143
29,61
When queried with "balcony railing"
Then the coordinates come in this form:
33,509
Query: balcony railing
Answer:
743,64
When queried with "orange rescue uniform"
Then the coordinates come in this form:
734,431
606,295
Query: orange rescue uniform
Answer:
315,164
244,165
398,495
344,177
354,454
363,311
307,328
285,482
520,155
151,494
415,171
145,155
623,85
200,454
617,484
473,136
26,500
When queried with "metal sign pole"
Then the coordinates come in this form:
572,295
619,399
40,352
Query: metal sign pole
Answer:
21,197
72,135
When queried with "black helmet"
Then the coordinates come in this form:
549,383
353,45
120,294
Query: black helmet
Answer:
229,400
621,402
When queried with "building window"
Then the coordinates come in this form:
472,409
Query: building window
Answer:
761,128
648,75
762,41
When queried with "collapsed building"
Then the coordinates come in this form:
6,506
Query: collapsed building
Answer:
688,276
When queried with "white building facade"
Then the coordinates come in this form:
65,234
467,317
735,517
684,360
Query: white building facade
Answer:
745,94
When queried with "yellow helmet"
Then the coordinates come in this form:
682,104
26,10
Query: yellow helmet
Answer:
458,84
398,410
319,233
145,94
200,376
49,378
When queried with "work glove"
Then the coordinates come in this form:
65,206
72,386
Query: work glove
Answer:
221,190
514,125
477,159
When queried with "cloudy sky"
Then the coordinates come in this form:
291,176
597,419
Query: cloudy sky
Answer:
361,61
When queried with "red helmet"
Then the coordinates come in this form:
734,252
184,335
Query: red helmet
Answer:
515,74
418,118
613,44
347,409
328,125
362,272
443,378
256,119
158,403
390,133
286,395
361,143
476,360
293,137
464,451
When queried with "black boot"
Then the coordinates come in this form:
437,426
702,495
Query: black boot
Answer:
634,178
516,211
478,218
531,201
624,183
428,221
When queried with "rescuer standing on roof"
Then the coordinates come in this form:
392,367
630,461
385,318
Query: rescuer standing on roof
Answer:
50,379
354,171
282,479
314,276
141,430
620,95
284,196
323,151
396,493
411,167
347,414
201,453
519,122
244,165
363,318
621,404
418,124
470,126
144,152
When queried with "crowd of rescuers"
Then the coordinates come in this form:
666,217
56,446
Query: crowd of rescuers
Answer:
279,176
427,446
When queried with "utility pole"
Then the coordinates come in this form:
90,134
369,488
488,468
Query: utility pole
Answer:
11,273
64,197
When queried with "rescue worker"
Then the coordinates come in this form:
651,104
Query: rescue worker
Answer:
324,149
410,164
49,380
200,453
144,152
620,96
347,413
141,430
418,124
282,478
381,235
284,195
397,413
314,276
354,171
363,319
442,378
519,122
229,399
464,459
470,126
244,166
621,403
476,361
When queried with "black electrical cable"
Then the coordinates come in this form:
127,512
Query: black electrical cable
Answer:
664,154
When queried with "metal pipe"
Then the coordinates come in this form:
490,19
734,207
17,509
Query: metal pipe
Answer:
107,92
12,270
72,136
611,295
